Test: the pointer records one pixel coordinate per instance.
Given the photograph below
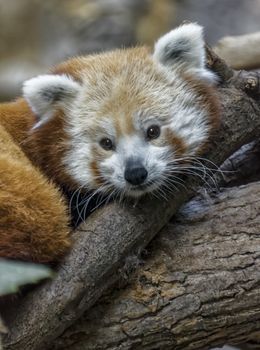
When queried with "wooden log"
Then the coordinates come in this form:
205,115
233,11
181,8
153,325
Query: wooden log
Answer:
199,286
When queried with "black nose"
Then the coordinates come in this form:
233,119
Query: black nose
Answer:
135,174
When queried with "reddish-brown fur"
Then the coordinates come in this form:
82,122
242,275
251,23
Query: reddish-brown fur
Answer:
33,215
208,99
177,143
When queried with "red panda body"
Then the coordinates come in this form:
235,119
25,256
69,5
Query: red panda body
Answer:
33,215
120,123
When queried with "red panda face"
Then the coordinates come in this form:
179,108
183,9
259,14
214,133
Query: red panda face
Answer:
131,119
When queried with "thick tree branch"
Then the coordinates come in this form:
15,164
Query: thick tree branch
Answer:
115,232
199,287
240,52
242,167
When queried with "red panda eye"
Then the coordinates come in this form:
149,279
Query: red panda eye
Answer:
106,144
153,132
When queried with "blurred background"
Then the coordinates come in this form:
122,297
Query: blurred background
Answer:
37,34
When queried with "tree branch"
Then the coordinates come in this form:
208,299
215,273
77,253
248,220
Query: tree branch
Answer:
115,232
242,167
199,286
240,52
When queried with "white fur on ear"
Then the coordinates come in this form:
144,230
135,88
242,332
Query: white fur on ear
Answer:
45,92
183,47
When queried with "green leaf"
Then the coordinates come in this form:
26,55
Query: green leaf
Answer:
14,274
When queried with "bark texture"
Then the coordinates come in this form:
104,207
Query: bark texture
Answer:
3,330
112,234
242,167
198,288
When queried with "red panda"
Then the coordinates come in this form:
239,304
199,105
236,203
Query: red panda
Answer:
118,123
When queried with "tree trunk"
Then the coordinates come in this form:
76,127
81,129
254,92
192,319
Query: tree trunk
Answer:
199,286
112,234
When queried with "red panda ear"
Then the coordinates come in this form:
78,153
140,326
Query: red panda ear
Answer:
47,92
183,49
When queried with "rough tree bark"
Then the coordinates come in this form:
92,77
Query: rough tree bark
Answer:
157,284
198,288
3,330
241,168
113,233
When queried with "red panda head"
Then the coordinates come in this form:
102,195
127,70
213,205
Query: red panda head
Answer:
129,118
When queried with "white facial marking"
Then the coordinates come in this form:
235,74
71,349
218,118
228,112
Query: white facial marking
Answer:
176,108
47,92
183,49
137,149
151,90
